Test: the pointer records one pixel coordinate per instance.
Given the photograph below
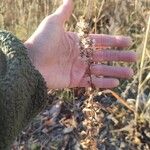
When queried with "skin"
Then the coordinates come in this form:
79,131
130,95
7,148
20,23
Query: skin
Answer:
55,53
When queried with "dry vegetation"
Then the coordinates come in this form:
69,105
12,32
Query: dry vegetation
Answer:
104,123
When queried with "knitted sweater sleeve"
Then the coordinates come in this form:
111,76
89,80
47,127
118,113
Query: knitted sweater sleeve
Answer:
23,91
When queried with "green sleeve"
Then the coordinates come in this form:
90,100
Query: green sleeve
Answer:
23,91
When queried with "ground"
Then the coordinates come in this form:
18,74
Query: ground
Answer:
97,122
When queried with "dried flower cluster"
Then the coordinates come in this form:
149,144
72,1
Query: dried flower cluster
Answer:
86,44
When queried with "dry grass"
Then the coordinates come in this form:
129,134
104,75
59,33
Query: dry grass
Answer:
115,17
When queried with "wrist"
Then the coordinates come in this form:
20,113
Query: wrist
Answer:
35,57
30,51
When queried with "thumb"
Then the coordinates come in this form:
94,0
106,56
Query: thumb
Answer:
64,11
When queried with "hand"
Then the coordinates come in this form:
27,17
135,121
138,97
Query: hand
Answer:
55,53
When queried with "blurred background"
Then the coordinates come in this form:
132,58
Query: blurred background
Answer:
128,17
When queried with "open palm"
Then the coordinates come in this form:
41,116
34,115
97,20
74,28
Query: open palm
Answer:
55,53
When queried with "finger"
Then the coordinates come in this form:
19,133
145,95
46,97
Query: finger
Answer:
108,55
102,40
64,11
99,82
110,71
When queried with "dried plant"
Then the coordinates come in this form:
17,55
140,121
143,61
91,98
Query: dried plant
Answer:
86,45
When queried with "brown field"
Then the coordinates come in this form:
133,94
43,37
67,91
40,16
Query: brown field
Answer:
126,130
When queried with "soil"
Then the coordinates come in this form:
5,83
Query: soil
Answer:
90,121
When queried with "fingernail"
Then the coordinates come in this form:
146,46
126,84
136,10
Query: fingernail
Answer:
129,41
130,73
116,82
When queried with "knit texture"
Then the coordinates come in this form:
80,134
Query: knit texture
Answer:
23,91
